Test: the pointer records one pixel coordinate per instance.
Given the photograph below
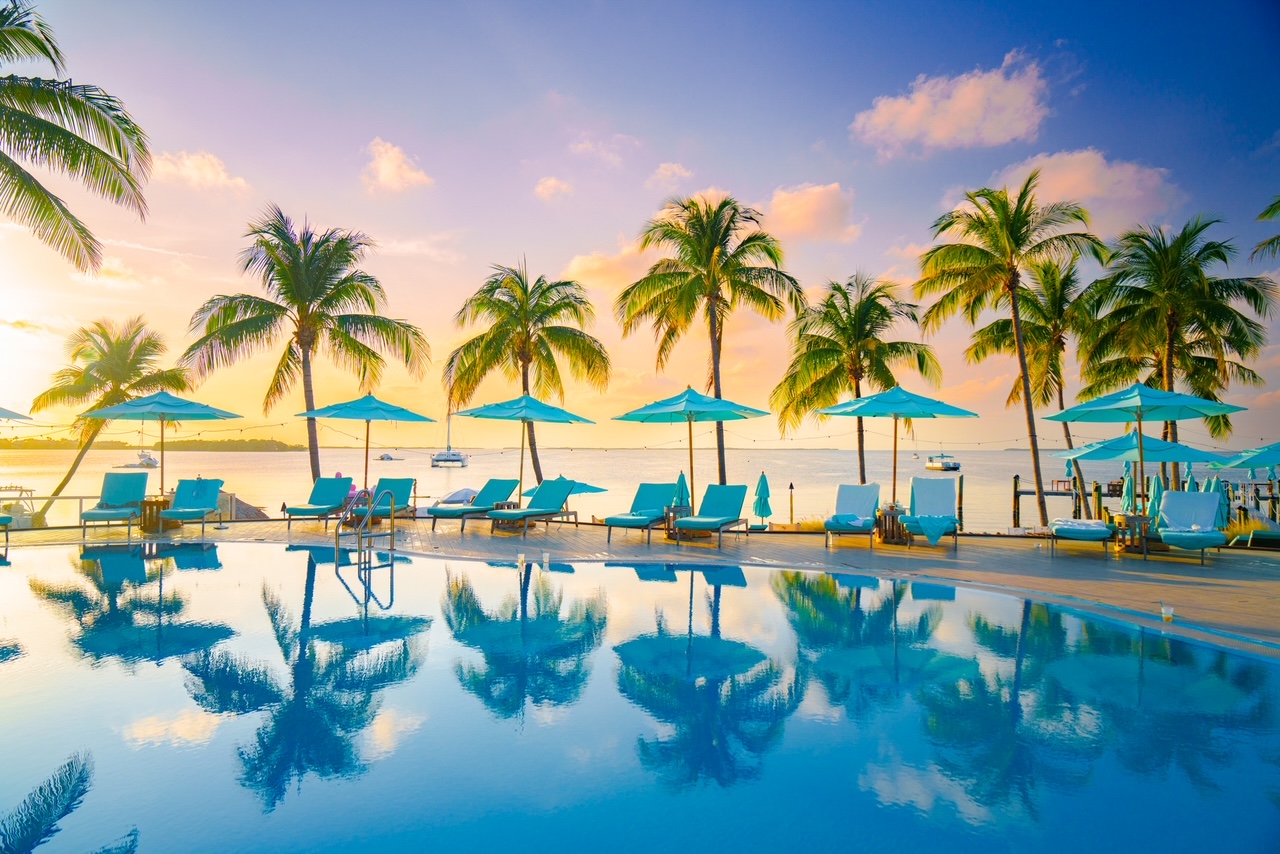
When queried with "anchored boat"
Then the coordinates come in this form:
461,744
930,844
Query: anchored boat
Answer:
942,462
449,457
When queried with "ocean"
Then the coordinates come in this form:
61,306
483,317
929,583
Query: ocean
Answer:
269,479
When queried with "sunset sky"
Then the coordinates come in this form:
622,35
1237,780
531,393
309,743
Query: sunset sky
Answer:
464,136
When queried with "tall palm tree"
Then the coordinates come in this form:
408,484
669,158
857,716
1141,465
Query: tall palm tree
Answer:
1172,322
998,238
719,260
837,344
1270,247
529,325
319,298
77,130
110,363
1054,310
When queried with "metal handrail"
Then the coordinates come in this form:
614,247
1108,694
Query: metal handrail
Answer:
361,528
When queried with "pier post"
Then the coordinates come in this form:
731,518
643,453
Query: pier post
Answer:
1097,500
1017,502
960,503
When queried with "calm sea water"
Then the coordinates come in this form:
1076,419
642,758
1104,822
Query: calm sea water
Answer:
256,698
269,479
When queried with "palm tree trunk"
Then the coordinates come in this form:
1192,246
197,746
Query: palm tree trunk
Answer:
714,319
1027,402
39,519
862,454
1066,432
1176,481
533,441
309,400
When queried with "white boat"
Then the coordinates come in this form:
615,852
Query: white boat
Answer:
449,457
386,458
942,462
145,461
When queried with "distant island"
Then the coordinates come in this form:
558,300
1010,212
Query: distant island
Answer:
59,445
170,445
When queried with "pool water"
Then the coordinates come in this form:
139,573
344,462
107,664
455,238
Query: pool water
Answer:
273,698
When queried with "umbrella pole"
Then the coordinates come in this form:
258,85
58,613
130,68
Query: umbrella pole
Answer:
162,456
693,494
895,459
366,455
520,491
1142,479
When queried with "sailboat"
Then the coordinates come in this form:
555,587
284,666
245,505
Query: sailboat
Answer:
449,457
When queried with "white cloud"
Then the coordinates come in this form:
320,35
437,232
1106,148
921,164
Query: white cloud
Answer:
667,177
387,731
390,169
975,110
437,247
812,213
610,273
609,150
189,727
549,188
116,275
1118,195
201,170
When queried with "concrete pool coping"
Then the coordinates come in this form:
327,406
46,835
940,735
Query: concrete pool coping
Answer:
1233,600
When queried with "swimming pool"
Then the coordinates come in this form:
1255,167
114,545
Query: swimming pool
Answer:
262,698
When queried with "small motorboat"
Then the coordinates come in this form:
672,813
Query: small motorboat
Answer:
942,462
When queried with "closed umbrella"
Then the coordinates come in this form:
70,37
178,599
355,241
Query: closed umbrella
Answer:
1138,403
1157,493
1191,486
682,498
160,407
761,506
1127,502
897,403
690,406
524,408
366,409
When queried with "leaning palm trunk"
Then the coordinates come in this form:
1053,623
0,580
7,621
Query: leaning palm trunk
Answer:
528,425
1028,402
39,520
309,398
713,316
1075,464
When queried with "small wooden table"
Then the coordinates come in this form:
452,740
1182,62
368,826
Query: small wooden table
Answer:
889,526
674,512
1135,531
507,524
151,521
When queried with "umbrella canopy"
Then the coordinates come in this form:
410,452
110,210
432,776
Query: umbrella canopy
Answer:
689,657
579,488
761,506
160,407
524,408
897,403
10,415
366,409
1139,402
1267,455
690,406
1126,448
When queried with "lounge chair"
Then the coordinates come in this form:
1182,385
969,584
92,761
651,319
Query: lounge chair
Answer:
1186,521
648,510
721,510
391,496
5,522
1081,530
328,496
493,492
856,507
121,501
932,513
194,500
547,503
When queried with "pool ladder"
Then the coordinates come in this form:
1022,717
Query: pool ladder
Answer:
361,528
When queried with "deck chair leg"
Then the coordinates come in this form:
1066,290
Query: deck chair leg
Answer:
608,535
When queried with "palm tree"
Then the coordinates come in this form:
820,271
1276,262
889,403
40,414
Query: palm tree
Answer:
76,130
529,325
1270,247
317,296
999,237
719,261
1054,310
1171,322
837,344
110,363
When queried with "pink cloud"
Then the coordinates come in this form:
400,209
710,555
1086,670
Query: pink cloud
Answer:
391,170
199,170
975,110
812,213
550,187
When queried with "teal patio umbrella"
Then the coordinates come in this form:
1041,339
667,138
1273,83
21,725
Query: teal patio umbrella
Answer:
1126,448
690,406
524,409
1138,403
367,409
897,403
160,407
1127,502
682,497
760,506
10,415
1254,458
579,488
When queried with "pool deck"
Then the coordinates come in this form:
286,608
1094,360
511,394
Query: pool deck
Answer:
1237,592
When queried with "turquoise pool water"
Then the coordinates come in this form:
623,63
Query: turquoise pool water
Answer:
262,698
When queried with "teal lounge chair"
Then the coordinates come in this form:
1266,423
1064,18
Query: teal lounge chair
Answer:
194,500
933,510
5,522
721,510
1081,530
856,507
648,510
1186,521
121,501
546,504
492,493
328,497
391,496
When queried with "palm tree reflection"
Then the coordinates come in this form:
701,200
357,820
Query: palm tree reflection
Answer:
314,715
35,821
530,654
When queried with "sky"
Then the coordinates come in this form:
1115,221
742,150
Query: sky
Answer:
463,136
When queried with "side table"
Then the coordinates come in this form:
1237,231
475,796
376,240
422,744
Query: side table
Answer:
889,526
151,521
674,512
